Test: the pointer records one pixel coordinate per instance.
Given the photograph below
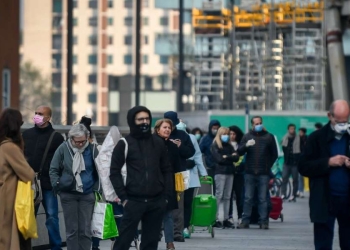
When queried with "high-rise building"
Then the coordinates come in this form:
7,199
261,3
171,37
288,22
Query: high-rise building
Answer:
103,49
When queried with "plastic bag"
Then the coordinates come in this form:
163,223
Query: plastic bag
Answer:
24,209
103,224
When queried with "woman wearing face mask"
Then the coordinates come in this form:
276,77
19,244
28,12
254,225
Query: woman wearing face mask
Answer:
198,133
224,156
74,177
163,129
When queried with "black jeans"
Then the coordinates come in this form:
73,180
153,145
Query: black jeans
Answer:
188,199
287,171
151,216
324,232
238,189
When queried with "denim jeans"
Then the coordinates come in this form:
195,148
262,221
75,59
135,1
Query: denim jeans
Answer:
324,232
50,204
168,222
301,183
252,183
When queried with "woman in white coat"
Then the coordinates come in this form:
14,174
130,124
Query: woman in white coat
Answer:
195,171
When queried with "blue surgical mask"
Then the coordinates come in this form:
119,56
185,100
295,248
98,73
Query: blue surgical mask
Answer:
181,126
258,128
198,136
225,138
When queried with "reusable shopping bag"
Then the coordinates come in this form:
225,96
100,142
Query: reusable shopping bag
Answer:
103,224
24,210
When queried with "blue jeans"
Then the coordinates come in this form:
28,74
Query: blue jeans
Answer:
301,183
168,222
324,232
260,183
50,204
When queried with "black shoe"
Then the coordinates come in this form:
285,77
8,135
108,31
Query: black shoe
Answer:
228,224
218,224
179,239
95,248
243,226
264,226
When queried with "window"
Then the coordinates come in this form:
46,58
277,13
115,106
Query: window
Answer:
110,20
163,80
128,59
145,59
164,21
148,83
110,40
75,3
128,21
110,59
128,3
75,21
6,88
93,21
92,98
56,61
92,78
56,41
56,79
145,21
145,39
57,6
110,3
93,4
92,59
57,23
75,78
163,59
75,59
128,40
75,40
93,40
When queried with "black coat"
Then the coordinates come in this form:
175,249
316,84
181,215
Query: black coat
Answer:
224,165
186,149
314,164
35,141
260,157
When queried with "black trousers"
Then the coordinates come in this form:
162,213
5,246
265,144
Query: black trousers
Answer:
238,190
188,199
324,232
151,216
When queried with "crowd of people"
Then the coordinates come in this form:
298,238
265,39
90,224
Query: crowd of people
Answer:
74,168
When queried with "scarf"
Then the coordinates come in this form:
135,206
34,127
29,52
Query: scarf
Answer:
78,164
296,143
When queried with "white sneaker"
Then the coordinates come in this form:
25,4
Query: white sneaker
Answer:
186,233
239,221
301,195
231,220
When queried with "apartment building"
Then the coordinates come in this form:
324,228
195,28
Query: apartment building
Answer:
103,51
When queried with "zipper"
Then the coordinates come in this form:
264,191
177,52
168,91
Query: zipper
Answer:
146,169
257,154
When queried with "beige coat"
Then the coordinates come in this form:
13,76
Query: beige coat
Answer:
13,167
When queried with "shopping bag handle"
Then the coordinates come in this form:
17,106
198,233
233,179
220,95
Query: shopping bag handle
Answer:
206,180
98,196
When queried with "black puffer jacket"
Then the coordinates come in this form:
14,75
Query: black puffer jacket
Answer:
260,157
35,141
224,165
148,170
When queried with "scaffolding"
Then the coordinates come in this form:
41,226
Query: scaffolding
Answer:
277,61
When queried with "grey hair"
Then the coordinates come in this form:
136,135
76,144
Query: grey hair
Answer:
78,130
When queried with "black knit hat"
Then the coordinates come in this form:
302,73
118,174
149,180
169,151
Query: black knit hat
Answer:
86,121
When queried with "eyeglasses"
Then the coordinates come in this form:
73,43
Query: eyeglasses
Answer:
143,119
79,142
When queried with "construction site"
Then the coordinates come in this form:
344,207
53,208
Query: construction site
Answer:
268,56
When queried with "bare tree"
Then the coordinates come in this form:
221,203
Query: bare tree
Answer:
35,90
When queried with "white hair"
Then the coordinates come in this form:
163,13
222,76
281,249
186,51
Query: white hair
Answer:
78,130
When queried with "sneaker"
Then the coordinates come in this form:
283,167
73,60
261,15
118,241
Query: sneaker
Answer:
218,224
170,246
239,221
228,224
186,233
231,220
292,199
264,226
283,197
243,226
301,195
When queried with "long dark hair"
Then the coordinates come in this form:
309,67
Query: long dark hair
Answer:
238,132
10,126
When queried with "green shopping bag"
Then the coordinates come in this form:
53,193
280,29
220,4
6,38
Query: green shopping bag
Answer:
103,224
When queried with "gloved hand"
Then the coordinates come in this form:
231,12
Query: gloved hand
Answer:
249,143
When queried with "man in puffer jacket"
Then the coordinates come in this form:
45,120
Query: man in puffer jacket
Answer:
261,153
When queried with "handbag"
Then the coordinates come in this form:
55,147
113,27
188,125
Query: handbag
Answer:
24,210
103,225
38,196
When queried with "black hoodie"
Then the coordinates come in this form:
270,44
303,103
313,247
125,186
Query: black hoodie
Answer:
149,173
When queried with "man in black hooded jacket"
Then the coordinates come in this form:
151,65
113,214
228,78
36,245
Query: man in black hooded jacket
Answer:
144,196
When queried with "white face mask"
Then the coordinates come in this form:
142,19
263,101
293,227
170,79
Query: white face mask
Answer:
341,128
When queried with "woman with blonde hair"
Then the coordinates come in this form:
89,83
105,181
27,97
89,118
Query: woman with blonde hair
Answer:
224,157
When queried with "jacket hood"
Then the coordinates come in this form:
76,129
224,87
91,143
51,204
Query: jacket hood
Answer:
172,116
211,124
134,130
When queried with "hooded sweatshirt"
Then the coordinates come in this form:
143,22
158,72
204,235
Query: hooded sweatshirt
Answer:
206,142
148,170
